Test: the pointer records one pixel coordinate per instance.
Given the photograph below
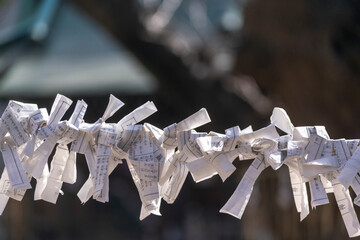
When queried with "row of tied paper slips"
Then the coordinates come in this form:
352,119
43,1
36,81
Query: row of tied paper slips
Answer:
160,159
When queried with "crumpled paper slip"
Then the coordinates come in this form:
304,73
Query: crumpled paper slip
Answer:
70,172
188,151
236,205
263,143
15,126
219,153
14,131
37,119
221,150
96,142
13,120
145,161
294,158
50,133
351,168
171,132
175,171
13,167
171,140
118,151
63,164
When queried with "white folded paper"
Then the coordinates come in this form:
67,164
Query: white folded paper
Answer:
159,159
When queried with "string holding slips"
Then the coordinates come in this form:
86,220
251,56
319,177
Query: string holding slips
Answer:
159,160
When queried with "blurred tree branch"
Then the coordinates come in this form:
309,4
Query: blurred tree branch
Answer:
178,84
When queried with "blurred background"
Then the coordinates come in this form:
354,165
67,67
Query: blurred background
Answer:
238,59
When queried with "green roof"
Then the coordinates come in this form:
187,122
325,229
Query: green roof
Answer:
78,57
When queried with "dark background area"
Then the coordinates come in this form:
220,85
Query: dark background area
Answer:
238,59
